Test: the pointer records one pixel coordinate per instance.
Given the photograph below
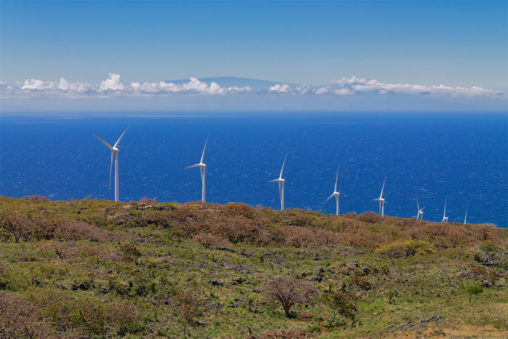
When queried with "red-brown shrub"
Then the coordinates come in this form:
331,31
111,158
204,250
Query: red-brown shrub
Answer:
19,319
371,218
297,236
69,229
208,240
36,198
239,209
362,239
147,201
235,229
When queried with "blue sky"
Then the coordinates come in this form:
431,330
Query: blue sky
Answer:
455,43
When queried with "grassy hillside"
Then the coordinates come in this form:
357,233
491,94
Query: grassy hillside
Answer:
94,268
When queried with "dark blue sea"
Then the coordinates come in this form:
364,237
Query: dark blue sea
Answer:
460,156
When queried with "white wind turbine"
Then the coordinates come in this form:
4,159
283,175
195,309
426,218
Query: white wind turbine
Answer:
281,182
445,218
381,200
114,154
202,169
419,216
335,193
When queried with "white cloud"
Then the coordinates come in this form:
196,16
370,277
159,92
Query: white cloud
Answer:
113,86
343,91
193,86
112,83
321,90
279,88
354,85
38,85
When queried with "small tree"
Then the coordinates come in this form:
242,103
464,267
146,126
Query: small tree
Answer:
473,290
18,225
342,303
289,292
187,309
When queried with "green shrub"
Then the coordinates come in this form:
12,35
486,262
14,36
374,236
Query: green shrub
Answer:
488,246
404,249
473,290
359,280
187,308
3,283
343,303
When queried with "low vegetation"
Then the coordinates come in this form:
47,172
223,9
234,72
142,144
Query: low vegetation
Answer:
94,268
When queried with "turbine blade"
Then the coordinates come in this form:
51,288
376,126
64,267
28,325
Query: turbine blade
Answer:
283,163
192,166
336,179
383,188
274,180
120,139
204,149
331,196
104,142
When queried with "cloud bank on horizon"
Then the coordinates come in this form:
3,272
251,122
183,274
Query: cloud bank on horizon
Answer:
112,86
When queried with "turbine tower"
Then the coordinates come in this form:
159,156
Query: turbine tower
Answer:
465,216
335,193
381,200
445,218
202,169
114,154
281,182
419,216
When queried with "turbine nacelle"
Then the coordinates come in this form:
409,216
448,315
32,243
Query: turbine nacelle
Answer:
196,165
381,200
281,182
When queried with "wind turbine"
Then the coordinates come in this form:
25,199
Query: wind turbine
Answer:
445,218
281,182
202,169
420,211
335,193
114,154
381,200
465,216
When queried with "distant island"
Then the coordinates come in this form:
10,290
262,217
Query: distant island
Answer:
96,268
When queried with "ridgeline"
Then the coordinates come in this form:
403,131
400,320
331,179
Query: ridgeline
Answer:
95,268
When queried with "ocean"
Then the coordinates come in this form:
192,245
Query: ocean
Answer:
461,156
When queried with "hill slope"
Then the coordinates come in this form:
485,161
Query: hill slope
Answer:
97,268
